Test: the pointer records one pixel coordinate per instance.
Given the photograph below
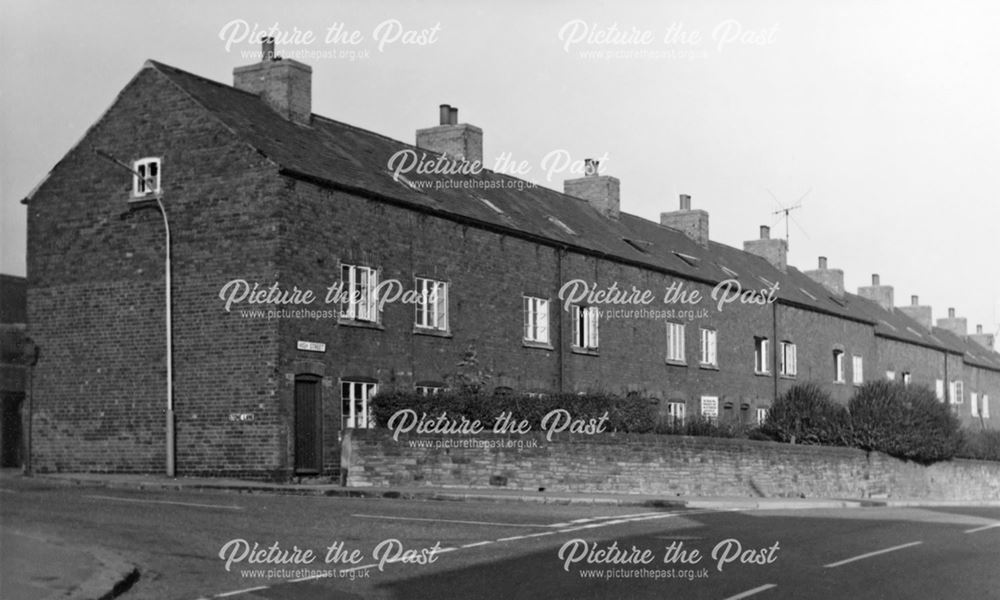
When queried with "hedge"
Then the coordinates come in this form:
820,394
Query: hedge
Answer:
806,414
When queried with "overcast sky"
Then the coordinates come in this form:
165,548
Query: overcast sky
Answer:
883,114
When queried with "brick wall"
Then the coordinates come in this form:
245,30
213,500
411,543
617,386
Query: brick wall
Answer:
667,465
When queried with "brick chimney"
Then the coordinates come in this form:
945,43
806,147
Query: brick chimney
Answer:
920,314
881,294
603,192
774,251
284,84
957,325
694,223
983,339
460,141
831,279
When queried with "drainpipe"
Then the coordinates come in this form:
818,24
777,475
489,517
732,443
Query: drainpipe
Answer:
560,354
774,349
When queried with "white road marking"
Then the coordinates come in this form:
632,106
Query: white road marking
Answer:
473,545
593,519
756,590
237,592
870,554
491,523
172,502
983,528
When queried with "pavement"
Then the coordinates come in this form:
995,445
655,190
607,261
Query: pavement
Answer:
90,573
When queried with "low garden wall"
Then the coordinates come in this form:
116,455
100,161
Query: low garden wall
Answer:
654,464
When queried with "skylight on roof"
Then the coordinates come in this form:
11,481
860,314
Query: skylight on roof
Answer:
806,292
640,245
729,272
561,225
893,327
914,332
687,258
402,180
766,281
492,206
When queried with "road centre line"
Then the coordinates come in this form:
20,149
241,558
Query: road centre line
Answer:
870,554
756,590
983,528
491,523
171,502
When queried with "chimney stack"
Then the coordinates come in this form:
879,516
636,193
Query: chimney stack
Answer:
957,325
878,293
985,340
603,192
774,251
692,222
921,314
284,85
462,142
831,279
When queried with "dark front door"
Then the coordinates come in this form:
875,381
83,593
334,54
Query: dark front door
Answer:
11,438
308,425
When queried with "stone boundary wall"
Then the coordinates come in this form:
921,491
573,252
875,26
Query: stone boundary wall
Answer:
655,464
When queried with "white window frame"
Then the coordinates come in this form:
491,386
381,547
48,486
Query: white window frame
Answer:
761,350
141,176
789,359
974,403
857,369
939,389
585,327
536,320
675,342
762,415
709,347
359,285
356,410
677,413
957,392
907,378
703,408
838,366
431,308
890,375
986,406
428,390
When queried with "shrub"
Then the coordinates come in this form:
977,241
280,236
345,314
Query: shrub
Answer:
806,414
903,421
630,415
981,444
701,427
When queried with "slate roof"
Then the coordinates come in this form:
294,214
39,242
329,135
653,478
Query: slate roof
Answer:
342,156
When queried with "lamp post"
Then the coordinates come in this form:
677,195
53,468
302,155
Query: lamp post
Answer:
136,204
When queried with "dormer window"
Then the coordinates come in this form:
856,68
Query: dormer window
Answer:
146,178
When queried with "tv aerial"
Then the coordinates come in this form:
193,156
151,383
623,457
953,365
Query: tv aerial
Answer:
785,212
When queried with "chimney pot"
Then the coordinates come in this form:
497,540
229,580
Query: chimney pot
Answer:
453,115
979,329
765,232
875,279
914,300
444,113
822,262
951,313
685,202
266,49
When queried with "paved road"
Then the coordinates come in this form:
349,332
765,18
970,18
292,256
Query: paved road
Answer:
485,550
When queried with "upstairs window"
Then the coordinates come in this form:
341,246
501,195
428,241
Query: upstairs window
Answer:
585,326
939,389
974,404
907,378
760,352
858,370
432,304
709,355
146,177
788,359
838,366
986,407
536,320
957,392
359,288
675,342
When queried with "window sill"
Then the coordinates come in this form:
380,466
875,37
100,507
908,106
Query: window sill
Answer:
675,363
708,367
783,376
762,373
441,333
537,345
585,351
361,324
835,382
